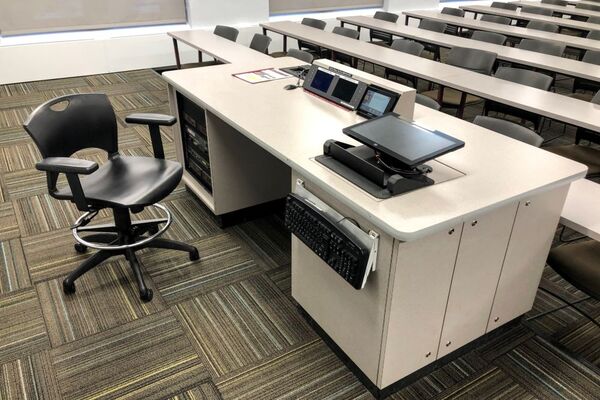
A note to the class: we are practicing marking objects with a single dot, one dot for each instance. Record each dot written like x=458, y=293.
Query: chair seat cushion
x=584, y=96
x=579, y=264
x=452, y=97
x=583, y=154
x=128, y=182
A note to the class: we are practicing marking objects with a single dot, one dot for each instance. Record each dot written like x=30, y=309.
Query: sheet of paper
x=263, y=75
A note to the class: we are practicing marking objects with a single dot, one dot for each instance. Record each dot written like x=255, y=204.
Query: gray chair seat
x=129, y=182
x=584, y=96
x=583, y=154
x=579, y=264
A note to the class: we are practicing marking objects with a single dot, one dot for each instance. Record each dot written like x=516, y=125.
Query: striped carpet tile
x=148, y=358
x=504, y=342
x=448, y=375
x=205, y=391
x=310, y=371
x=13, y=135
x=16, y=89
x=26, y=182
x=17, y=157
x=51, y=255
x=105, y=79
x=155, y=85
x=9, y=227
x=268, y=239
x=134, y=101
x=57, y=84
x=31, y=377
x=140, y=75
x=558, y=319
x=106, y=297
x=242, y=324
x=22, y=330
x=282, y=277
x=144, y=133
x=222, y=262
x=25, y=100
x=582, y=338
x=492, y=383
x=13, y=268
x=14, y=117
x=549, y=373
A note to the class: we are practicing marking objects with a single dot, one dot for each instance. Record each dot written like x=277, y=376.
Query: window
x=298, y=6
x=39, y=16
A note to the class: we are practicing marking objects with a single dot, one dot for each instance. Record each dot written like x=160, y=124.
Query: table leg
x=265, y=31
x=406, y=20
x=199, y=56
x=285, y=43
x=342, y=23
x=176, y=48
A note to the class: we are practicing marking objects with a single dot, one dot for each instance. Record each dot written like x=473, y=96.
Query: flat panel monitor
x=344, y=89
x=322, y=80
x=376, y=102
x=334, y=86
x=404, y=141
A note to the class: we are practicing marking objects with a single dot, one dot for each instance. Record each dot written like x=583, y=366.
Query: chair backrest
x=596, y=98
x=543, y=26
x=497, y=19
x=585, y=6
x=260, y=43
x=489, y=37
x=386, y=16
x=504, y=6
x=542, y=46
x=457, y=12
x=301, y=55
x=431, y=25
x=509, y=129
x=351, y=33
x=537, y=10
x=525, y=77
x=594, y=35
x=472, y=59
x=314, y=23
x=593, y=20
x=226, y=32
x=592, y=57
x=427, y=102
x=408, y=46
x=67, y=124
x=562, y=3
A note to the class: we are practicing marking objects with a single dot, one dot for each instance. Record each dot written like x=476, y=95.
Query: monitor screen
x=322, y=80
x=377, y=102
x=402, y=140
x=344, y=89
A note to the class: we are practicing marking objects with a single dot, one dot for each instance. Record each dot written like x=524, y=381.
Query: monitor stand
x=358, y=165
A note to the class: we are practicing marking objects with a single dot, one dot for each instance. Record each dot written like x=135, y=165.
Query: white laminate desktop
x=562, y=22
x=508, y=30
x=562, y=65
x=566, y=10
x=582, y=208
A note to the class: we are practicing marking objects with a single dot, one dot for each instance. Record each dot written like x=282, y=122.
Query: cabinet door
x=421, y=281
x=530, y=241
x=480, y=256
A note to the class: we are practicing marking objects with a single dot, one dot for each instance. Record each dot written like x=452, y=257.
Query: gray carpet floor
x=223, y=327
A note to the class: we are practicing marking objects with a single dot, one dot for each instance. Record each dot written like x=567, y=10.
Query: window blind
x=297, y=6
x=37, y=16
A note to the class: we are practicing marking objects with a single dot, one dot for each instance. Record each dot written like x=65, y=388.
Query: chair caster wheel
x=80, y=248
x=194, y=255
x=68, y=287
x=146, y=295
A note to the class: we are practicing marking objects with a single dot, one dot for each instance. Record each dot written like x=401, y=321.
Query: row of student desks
x=565, y=10
x=561, y=22
x=507, y=30
x=548, y=104
x=454, y=261
x=561, y=65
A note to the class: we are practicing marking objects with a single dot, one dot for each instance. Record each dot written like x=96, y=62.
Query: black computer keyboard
x=327, y=239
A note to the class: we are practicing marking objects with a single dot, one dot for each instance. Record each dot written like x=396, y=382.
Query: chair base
x=121, y=239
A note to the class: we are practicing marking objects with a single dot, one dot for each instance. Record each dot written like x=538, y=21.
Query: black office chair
x=434, y=26
x=260, y=43
x=313, y=23
x=489, y=37
x=504, y=6
x=301, y=55
x=523, y=77
x=67, y=124
x=579, y=264
x=510, y=129
x=383, y=37
x=475, y=60
x=409, y=47
x=543, y=26
x=226, y=32
x=496, y=19
x=457, y=12
x=339, y=57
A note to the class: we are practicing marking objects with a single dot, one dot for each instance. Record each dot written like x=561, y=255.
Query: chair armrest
x=154, y=122
x=72, y=167
x=67, y=165
x=151, y=119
